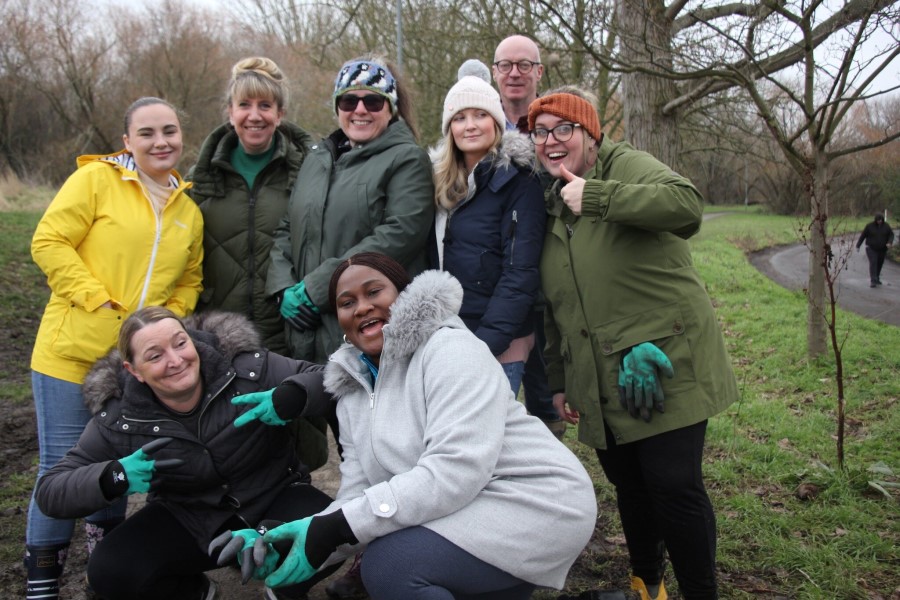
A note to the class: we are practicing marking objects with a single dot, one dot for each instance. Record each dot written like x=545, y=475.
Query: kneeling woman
x=453, y=490
x=164, y=423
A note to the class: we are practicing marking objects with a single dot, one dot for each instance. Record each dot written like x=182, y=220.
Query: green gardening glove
x=139, y=466
x=640, y=390
x=295, y=568
x=242, y=544
x=263, y=409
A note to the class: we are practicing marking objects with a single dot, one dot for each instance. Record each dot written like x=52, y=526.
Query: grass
x=842, y=542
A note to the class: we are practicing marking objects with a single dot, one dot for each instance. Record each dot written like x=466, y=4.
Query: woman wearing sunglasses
x=365, y=187
x=626, y=307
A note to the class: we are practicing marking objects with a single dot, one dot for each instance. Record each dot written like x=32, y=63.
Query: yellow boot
x=653, y=592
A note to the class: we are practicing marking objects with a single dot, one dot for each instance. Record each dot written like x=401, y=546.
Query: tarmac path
x=789, y=267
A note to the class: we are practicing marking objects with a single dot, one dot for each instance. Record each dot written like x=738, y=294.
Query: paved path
x=789, y=267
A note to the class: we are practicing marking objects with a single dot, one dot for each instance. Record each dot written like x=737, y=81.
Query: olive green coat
x=621, y=274
x=376, y=197
x=239, y=223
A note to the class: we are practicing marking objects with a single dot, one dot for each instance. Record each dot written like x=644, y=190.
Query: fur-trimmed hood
x=431, y=301
x=227, y=334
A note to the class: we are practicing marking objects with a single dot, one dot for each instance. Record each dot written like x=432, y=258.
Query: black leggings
x=151, y=555
x=664, y=506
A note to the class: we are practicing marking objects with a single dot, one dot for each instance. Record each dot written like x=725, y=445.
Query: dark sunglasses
x=372, y=102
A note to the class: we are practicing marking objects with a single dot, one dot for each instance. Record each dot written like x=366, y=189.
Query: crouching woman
x=164, y=423
x=449, y=485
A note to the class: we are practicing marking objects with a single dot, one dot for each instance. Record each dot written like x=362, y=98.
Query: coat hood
x=228, y=334
x=515, y=150
x=431, y=301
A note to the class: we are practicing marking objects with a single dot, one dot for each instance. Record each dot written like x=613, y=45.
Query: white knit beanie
x=473, y=90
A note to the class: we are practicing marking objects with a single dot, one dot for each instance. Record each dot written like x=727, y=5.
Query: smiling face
x=154, y=139
x=255, y=120
x=574, y=153
x=361, y=125
x=474, y=133
x=167, y=361
x=363, y=303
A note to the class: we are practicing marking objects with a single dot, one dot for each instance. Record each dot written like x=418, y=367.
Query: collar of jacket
x=123, y=161
x=225, y=334
x=397, y=132
x=290, y=141
x=429, y=302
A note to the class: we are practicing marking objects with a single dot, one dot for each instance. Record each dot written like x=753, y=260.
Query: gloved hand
x=256, y=558
x=314, y=539
x=263, y=410
x=138, y=467
x=299, y=310
x=640, y=390
x=273, y=407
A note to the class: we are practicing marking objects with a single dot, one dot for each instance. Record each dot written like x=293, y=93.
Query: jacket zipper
x=512, y=233
x=251, y=255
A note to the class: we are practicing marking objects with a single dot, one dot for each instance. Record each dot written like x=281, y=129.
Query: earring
x=346, y=341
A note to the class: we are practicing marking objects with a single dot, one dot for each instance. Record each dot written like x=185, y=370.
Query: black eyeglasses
x=561, y=133
x=372, y=102
x=524, y=66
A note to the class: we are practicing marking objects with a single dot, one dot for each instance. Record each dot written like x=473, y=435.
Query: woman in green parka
x=242, y=182
x=635, y=354
x=367, y=187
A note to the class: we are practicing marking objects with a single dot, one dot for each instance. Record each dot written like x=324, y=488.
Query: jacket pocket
x=86, y=336
x=665, y=326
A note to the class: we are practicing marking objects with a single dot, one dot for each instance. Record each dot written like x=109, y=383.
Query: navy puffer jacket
x=492, y=243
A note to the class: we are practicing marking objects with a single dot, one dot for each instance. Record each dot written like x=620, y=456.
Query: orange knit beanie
x=569, y=107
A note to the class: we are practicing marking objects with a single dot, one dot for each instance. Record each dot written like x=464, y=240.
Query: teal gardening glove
x=256, y=558
x=263, y=410
x=273, y=407
x=640, y=390
x=313, y=540
x=298, y=309
x=139, y=466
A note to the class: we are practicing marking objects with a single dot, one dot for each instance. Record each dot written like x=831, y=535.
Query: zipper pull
x=371, y=400
x=569, y=229
x=512, y=235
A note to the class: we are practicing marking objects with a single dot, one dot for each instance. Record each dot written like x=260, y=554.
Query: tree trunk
x=645, y=35
x=819, y=257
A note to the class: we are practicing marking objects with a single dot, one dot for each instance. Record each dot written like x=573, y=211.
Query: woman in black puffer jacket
x=176, y=382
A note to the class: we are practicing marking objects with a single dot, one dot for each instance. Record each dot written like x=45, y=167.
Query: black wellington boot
x=44, y=566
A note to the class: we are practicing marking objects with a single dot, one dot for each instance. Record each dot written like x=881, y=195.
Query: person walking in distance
x=878, y=238
x=517, y=70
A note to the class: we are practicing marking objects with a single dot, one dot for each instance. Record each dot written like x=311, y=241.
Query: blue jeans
x=61, y=417
x=417, y=564
x=538, y=399
x=514, y=371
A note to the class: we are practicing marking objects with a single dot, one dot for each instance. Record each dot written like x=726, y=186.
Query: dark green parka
x=376, y=197
x=620, y=274
x=239, y=224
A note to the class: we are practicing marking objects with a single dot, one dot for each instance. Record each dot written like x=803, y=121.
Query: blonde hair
x=451, y=179
x=257, y=77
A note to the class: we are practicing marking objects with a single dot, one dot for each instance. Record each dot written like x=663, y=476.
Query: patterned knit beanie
x=366, y=75
x=569, y=107
x=473, y=90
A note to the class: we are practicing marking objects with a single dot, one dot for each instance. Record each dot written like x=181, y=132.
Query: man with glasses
x=517, y=69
